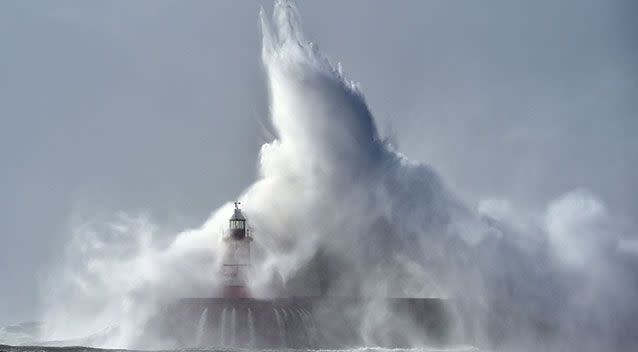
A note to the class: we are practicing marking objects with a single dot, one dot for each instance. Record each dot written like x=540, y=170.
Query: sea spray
x=336, y=203
x=233, y=328
x=201, y=326
x=222, y=327
x=251, y=328
x=281, y=329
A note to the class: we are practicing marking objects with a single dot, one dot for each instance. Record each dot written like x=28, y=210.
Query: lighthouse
x=236, y=262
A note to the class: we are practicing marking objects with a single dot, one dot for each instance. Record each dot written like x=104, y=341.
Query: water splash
x=222, y=327
x=201, y=325
x=284, y=315
x=305, y=327
x=308, y=328
x=280, y=327
x=233, y=328
x=251, y=328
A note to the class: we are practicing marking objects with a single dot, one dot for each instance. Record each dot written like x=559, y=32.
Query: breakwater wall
x=309, y=322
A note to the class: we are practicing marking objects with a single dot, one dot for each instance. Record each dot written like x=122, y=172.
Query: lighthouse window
x=236, y=224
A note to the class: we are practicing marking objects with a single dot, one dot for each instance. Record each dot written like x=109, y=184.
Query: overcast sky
x=160, y=106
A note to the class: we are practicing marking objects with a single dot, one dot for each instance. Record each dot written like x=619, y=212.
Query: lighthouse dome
x=237, y=224
x=237, y=215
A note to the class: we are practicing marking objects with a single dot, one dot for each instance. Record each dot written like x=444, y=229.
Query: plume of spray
x=329, y=182
x=337, y=211
x=118, y=271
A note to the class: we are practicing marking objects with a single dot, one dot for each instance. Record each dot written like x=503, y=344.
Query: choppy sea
x=23, y=338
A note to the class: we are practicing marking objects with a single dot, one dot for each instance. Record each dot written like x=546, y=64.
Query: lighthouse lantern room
x=236, y=264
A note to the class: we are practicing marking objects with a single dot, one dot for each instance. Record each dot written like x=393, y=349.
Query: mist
x=337, y=210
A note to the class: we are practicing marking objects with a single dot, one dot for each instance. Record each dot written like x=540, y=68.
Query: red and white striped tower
x=236, y=262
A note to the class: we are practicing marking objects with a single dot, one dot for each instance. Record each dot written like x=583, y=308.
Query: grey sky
x=158, y=106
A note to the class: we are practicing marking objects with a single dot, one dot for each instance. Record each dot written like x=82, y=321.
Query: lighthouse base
x=235, y=292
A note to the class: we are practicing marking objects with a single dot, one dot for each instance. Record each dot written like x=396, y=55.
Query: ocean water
x=24, y=337
x=8, y=348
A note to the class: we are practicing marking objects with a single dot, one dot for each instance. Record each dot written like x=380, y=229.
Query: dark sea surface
x=8, y=348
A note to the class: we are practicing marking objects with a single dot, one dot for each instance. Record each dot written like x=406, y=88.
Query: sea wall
x=321, y=322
